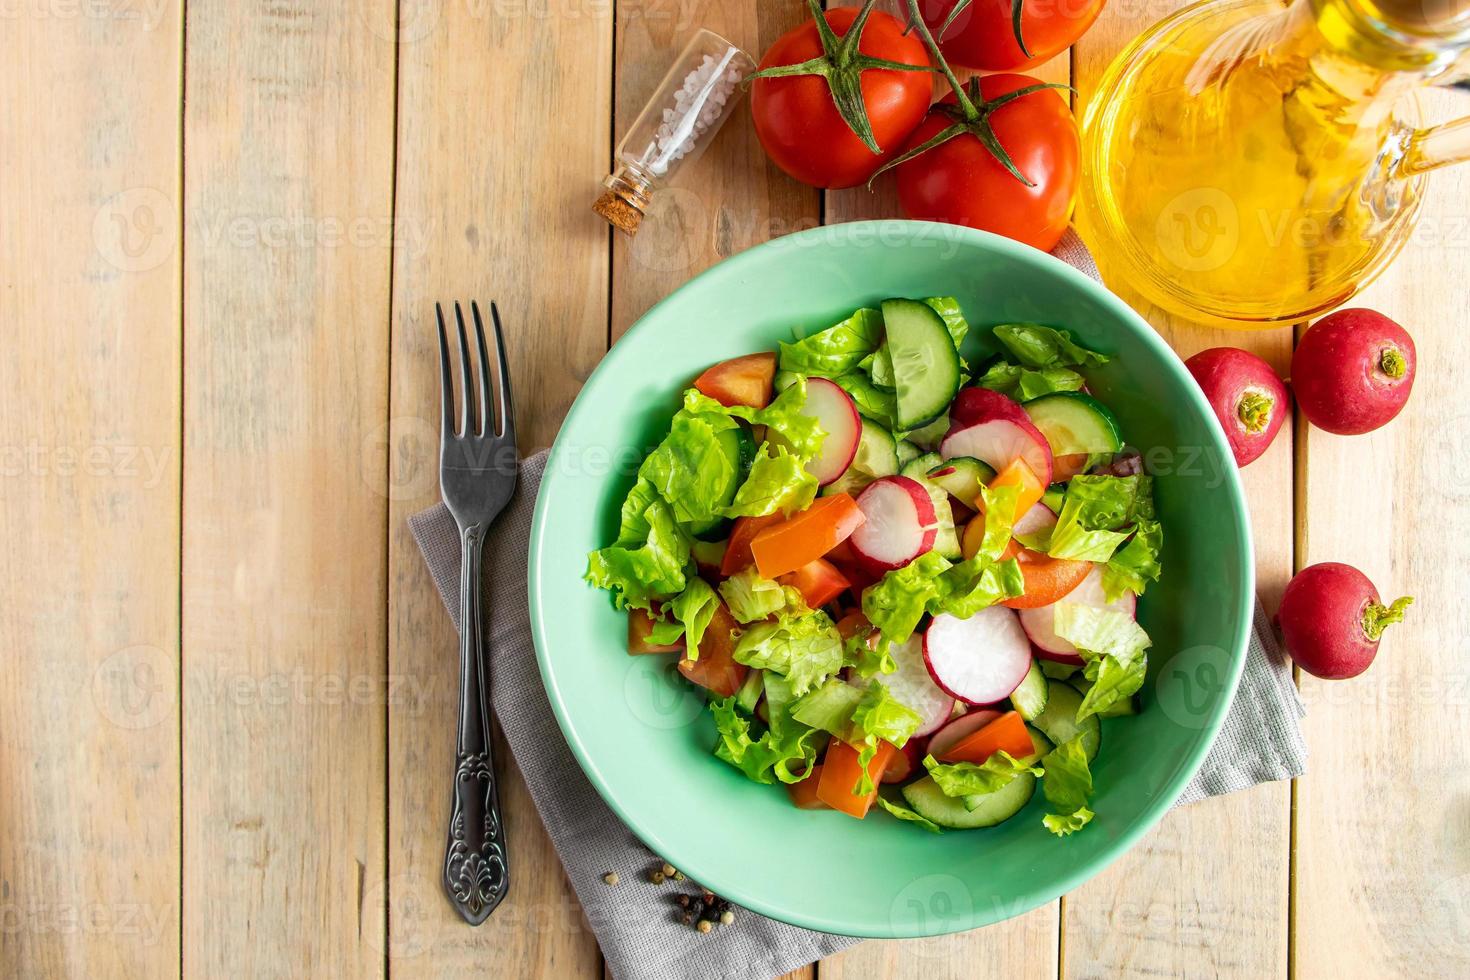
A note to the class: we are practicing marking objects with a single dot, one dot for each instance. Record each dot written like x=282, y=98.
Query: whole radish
x=1247, y=397
x=1352, y=371
x=1331, y=619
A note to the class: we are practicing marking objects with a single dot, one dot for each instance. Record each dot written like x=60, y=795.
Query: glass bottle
x=1250, y=163
x=679, y=121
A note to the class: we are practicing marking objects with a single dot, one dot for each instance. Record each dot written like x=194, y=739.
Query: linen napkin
x=1259, y=742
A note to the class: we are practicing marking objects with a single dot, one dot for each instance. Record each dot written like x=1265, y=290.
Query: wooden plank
x=1206, y=892
x=1383, y=877
x=288, y=198
x=730, y=198
x=89, y=454
x=502, y=138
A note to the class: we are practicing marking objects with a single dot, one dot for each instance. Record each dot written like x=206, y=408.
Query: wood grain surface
x=226, y=720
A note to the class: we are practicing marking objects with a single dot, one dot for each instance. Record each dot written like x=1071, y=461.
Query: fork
x=477, y=476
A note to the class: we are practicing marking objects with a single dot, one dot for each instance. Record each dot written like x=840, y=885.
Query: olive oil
x=1250, y=163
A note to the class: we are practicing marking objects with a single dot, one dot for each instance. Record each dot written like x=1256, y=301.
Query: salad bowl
x=640, y=733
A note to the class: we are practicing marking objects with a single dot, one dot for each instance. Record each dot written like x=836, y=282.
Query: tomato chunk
x=806, y=536
x=737, y=550
x=804, y=793
x=716, y=669
x=640, y=624
x=740, y=380
x=818, y=581
x=1047, y=579
x=1008, y=733
x=840, y=774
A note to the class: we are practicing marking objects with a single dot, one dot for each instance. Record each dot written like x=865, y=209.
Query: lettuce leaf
x=999, y=504
x=828, y=707
x=864, y=656
x=1036, y=346
x=804, y=649
x=932, y=584
x=1113, y=646
x=691, y=612
x=837, y=349
x=800, y=433
x=751, y=597
x=879, y=366
x=871, y=400
x=879, y=716
x=776, y=482
x=1136, y=564
x=1097, y=516
x=970, y=779
x=689, y=468
x=1024, y=384
x=1067, y=783
x=949, y=311
x=640, y=573
x=767, y=758
x=902, y=812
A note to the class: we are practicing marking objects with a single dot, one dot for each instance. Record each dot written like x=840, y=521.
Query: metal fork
x=477, y=476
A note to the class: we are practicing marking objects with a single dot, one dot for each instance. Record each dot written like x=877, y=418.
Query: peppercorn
x=704, y=925
x=687, y=918
x=678, y=876
x=683, y=901
x=668, y=870
x=610, y=878
x=656, y=876
x=727, y=917
x=708, y=896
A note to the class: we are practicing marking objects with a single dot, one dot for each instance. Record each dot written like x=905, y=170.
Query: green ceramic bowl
x=640, y=732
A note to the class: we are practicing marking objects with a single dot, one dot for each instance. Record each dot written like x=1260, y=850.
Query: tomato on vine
x=1008, y=35
x=834, y=98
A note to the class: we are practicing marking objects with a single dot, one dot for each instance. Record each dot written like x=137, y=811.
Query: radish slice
x=900, y=523
x=973, y=405
x=911, y=685
x=1039, y=518
x=978, y=660
x=835, y=412
x=961, y=728
x=998, y=443
x=1038, y=623
x=901, y=764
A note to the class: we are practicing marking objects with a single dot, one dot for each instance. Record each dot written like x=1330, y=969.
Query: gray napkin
x=1260, y=741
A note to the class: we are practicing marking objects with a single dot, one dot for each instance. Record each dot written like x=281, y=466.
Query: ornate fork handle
x=476, y=874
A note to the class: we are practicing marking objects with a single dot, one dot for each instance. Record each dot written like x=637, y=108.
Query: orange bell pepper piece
x=841, y=772
x=1008, y=733
x=1019, y=475
x=806, y=536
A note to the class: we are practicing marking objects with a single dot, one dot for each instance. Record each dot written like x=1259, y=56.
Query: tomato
x=716, y=670
x=1007, y=733
x=804, y=791
x=798, y=123
x=740, y=380
x=982, y=35
x=842, y=771
x=1046, y=579
x=640, y=625
x=818, y=581
x=961, y=182
x=737, y=551
x=806, y=536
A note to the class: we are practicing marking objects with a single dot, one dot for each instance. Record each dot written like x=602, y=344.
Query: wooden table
x=226, y=707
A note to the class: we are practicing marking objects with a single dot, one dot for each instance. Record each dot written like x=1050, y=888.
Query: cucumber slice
x=962, y=476
x=919, y=466
x=1075, y=423
x=928, y=800
x=1030, y=696
x=1058, y=671
x=738, y=445
x=930, y=435
x=1043, y=746
x=907, y=453
x=877, y=455
x=1058, y=720
x=926, y=366
x=946, y=541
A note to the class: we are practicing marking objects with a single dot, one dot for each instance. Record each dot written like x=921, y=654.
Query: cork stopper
x=1442, y=18
x=621, y=213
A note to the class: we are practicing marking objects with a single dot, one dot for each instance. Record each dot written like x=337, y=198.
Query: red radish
x=1038, y=623
x=740, y=380
x=1246, y=396
x=900, y=523
x=911, y=685
x=835, y=412
x=1331, y=619
x=973, y=405
x=978, y=660
x=998, y=441
x=901, y=764
x=1039, y=518
x=960, y=729
x=1352, y=371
